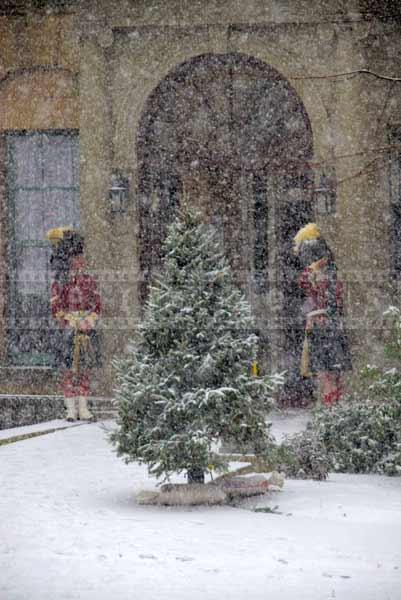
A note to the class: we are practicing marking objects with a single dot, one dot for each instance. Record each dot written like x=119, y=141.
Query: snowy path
x=70, y=529
x=27, y=430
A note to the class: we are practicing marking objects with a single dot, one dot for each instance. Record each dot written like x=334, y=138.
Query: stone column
x=96, y=156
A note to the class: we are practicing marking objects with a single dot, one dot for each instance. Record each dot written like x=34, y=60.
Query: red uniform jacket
x=79, y=293
x=315, y=281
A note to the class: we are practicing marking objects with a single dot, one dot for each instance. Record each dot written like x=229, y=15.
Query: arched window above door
x=227, y=110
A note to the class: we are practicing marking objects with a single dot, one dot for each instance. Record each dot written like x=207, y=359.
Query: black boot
x=196, y=475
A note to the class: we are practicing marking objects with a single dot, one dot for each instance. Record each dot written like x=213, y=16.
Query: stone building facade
x=263, y=114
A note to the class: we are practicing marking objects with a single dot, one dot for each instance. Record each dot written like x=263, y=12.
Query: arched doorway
x=232, y=134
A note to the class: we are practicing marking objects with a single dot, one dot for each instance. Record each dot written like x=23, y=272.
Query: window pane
x=75, y=160
x=32, y=271
x=57, y=160
x=26, y=160
x=36, y=212
x=76, y=211
x=60, y=209
x=29, y=224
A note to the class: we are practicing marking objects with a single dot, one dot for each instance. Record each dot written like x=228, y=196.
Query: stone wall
x=19, y=410
x=16, y=411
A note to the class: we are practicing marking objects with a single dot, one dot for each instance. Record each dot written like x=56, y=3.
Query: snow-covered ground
x=70, y=529
x=287, y=422
x=26, y=430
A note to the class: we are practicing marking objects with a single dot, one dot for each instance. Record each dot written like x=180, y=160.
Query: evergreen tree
x=186, y=380
x=385, y=383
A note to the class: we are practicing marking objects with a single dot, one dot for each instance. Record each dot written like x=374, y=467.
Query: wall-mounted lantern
x=118, y=194
x=325, y=193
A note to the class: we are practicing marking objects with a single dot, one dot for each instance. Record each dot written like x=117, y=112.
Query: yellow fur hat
x=310, y=232
x=56, y=234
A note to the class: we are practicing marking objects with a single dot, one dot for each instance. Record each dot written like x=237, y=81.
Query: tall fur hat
x=309, y=232
x=66, y=244
x=313, y=250
x=56, y=234
x=310, y=245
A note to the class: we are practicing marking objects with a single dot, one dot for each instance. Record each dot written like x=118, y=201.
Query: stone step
x=104, y=416
x=103, y=408
x=100, y=403
x=20, y=409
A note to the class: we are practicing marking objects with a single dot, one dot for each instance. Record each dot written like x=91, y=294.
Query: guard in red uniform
x=325, y=351
x=76, y=306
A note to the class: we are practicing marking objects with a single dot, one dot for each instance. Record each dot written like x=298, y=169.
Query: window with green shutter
x=42, y=183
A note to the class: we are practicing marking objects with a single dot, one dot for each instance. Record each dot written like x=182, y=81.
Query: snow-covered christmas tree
x=186, y=381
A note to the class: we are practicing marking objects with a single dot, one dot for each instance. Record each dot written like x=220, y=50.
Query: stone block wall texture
x=19, y=410
x=16, y=411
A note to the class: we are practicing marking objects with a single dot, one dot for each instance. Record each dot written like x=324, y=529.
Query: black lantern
x=118, y=194
x=325, y=194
